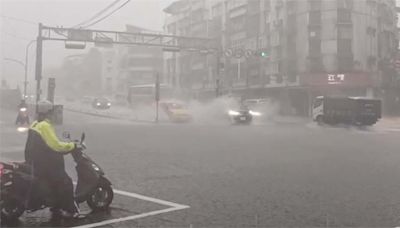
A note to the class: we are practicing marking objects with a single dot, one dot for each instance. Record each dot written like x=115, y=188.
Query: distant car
x=101, y=103
x=251, y=102
x=257, y=105
x=242, y=115
x=176, y=112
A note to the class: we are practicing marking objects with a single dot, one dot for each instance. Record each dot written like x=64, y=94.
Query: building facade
x=308, y=48
x=185, y=69
x=126, y=66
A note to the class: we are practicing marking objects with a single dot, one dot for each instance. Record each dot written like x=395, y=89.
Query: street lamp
x=25, y=65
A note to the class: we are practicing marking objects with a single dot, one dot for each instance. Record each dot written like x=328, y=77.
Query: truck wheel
x=320, y=120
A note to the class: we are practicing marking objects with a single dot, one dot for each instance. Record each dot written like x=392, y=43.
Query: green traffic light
x=263, y=54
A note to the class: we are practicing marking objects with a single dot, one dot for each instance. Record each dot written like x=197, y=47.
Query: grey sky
x=16, y=34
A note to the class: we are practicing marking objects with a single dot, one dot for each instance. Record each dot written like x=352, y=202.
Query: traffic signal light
x=262, y=53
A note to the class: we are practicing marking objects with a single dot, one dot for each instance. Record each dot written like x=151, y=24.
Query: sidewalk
x=392, y=122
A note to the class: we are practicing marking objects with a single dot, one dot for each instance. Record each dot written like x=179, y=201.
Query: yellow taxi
x=176, y=111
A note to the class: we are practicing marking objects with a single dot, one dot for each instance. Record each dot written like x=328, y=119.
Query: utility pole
x=24, y=66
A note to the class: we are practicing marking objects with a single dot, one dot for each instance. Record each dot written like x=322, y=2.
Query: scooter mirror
x=83, y=137
x=66, y=135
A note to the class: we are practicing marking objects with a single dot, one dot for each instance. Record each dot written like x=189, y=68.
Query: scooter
x=23, y=117
x=22, y=192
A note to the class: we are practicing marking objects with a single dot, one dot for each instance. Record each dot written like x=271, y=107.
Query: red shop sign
x=340, y=79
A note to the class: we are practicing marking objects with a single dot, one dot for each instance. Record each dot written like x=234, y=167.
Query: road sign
x=105, y=42
x=248, y=53
x=75, y=45
x=80, y=35
x=228, y=52
x=239, y=53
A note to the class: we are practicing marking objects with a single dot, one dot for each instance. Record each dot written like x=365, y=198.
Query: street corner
x=390, y=123
x=127, y=208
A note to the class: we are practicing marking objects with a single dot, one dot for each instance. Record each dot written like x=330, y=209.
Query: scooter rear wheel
x=101, y=197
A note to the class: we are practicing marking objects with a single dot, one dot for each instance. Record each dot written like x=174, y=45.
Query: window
x=314, y=18
x=345, y=32
x=344, y=47
x=371, y=31
x=314, y=4
x=278, y=78
x=345, y=4
x=315, y=64
x=292, y=70
x=267, y=5
x=291, y=6
x=217, y=10
x=292, y=24
x=314, y=47
x=345, y=63
x=344, y=16
x=315, y=33
x=267, y=79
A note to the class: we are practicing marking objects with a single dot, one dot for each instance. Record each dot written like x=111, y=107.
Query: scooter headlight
x=22, y=129
x=22, y=109
x=98, y=104
x=233, y=113
x=108, y=104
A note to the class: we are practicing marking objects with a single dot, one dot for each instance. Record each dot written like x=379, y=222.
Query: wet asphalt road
x=273, y=174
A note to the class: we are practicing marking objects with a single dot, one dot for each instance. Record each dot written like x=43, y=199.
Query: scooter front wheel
x=101, y=198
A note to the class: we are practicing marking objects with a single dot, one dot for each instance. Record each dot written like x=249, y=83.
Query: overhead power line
x=19, y=19
x=112, y=12
x=17, y=36
x=98, y=14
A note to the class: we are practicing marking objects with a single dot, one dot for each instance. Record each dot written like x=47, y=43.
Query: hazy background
x=20, y=18
x=19, y=22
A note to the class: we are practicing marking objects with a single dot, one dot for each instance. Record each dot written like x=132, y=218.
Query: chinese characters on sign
x=357, y=79
x=335, y=78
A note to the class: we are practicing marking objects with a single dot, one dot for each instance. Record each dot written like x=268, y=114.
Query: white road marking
x=172, y=207
x=150, y=199
x=133, y=217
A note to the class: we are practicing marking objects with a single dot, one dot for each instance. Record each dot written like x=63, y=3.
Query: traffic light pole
x=168, y=42
x=38, y=67
x=238, y=68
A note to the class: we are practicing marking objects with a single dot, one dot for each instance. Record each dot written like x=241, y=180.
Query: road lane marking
x=150, y=199
x=172, y=207
x=132, y=217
